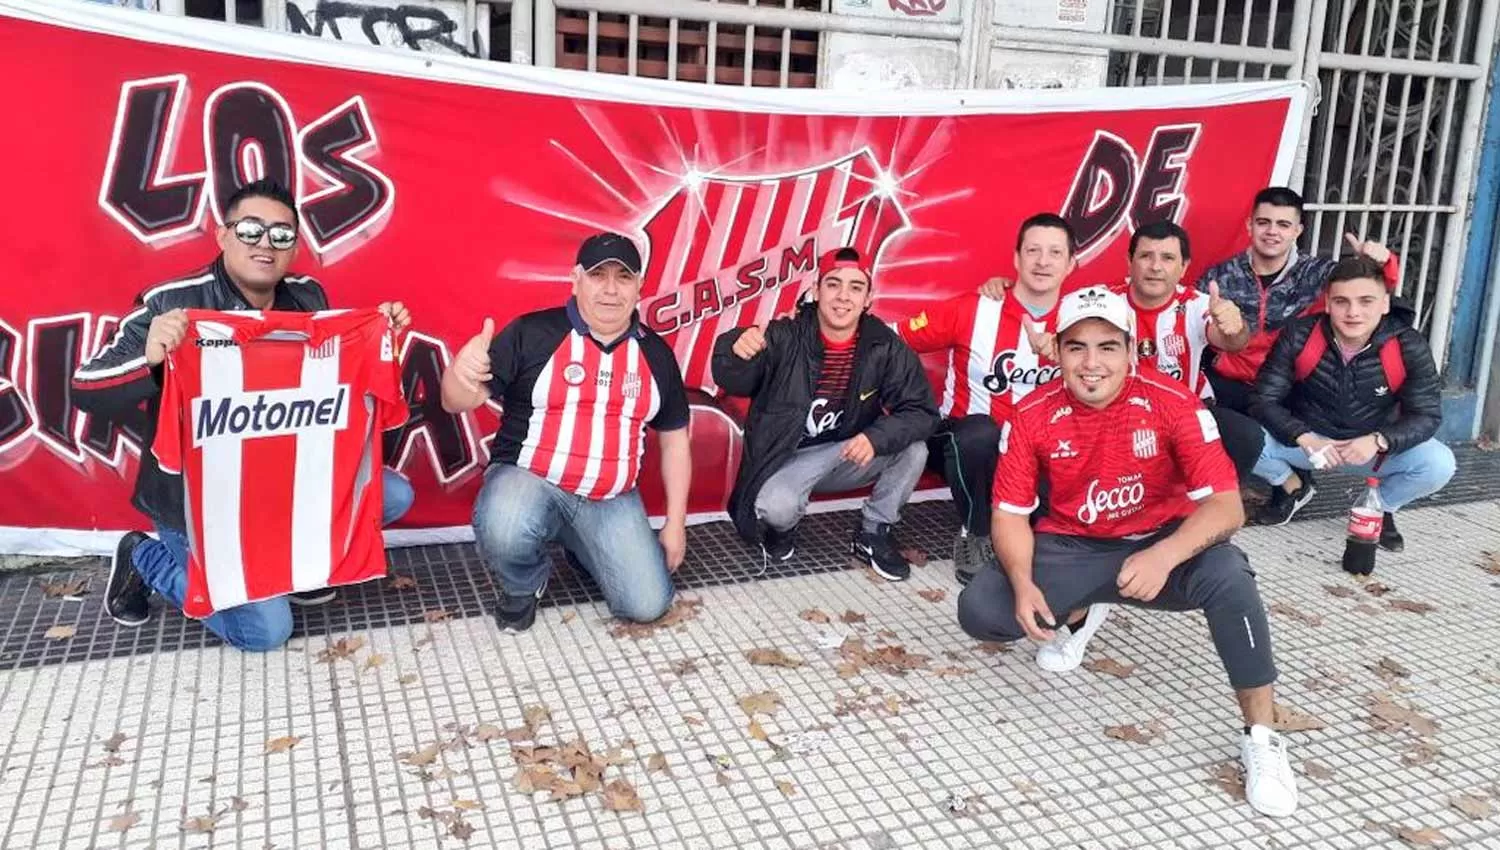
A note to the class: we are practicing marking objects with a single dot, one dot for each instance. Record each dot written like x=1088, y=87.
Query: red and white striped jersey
x=575, y=411
x=273, y=420
x=1174, y=337
x=991, y=365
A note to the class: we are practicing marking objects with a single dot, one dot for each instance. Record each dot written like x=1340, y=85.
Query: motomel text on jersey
x=270, y=413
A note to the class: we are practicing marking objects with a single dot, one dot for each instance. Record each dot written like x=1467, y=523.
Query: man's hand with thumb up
x=466, y=382
x=750, y=343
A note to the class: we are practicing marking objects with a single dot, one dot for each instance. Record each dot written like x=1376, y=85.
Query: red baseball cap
x=829, y=262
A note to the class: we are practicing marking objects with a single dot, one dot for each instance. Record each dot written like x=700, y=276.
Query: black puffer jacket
x=1345, y=400
x=781, y=380
x=116, y=380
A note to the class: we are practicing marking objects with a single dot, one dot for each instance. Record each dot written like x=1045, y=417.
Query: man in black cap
x=578, y=385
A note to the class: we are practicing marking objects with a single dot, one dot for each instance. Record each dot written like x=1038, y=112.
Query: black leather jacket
x=115, y=382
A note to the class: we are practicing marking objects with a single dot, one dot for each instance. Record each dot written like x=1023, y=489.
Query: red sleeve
x=936, y=328
x=167, y=446
x=1392, y=272
x=385, y=378
x=1205, y=466
x=1015, y=486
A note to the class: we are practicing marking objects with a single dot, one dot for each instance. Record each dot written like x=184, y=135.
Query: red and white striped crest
x=724, y=252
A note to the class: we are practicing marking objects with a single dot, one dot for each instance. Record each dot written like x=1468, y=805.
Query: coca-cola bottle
x=1366, y=516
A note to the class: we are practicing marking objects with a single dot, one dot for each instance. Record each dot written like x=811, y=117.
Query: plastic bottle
x=1366, y=517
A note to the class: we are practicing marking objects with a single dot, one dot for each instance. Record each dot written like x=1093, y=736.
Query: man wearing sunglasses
x=257, y=244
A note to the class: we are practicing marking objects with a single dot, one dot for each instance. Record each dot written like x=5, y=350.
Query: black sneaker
x=971, y=553
x=778, y=546
x=126, y=595
x=1283, y=505
x=309, y=598
x=879, y=551
x=1391, y=539
x=516, y=614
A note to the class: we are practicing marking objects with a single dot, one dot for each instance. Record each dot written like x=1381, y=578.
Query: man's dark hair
x=265, y=188
x=1278, y=196
x=846, y=255
x=1163, y=230
x=1048, y=220
x=1357, y=267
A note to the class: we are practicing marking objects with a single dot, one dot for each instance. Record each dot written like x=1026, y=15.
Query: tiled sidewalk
x=401, y=730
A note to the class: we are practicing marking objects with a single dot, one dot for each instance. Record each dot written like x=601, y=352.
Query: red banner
x=462, y=188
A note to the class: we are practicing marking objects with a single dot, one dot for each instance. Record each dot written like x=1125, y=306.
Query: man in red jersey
x=1143, y=503
x=992, y=365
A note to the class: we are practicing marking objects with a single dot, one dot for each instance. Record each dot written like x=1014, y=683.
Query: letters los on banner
x=419, y=181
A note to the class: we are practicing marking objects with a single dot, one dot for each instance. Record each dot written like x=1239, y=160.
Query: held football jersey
x=991, y=365
x=1174, y=336
x=1125, y=470
x=273, y=421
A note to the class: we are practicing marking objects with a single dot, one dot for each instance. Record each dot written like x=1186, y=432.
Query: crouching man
x=838, y=402
x=578, y=385
x=1143, y=502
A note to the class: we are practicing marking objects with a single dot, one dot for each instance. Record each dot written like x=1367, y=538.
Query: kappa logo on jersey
x=1006, y=373
x=1124, y=499
x=729, y=251
x=1143, y=444
x=272, y=413
x=215, y=343
x=822, y=423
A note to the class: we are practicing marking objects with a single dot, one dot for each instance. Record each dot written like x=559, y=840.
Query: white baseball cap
x=1095, y=302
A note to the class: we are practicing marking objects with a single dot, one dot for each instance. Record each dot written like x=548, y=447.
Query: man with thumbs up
x=1273, y=284
x=578, y=386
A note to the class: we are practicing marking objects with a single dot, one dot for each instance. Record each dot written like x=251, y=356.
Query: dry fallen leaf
x=851, y=617
x=204, y=824
x=1422, y=753
x=724, y=778
x=763, y=702
x=408, y=679
x=814, y=615
x=401, y=582
x=535, y=778
x=281, y=745
x=1419, y=837
x=786, y=788
x=1477, y=808
x=1110, y=666
x=1388, y=668
x=1288, y=719
x=914, y=556
x=120, y=823
x=425, y=756
x=692, y=720
x=1410, y=605
x=1226, y=775
x=64, y=587
x=1387, y=716
x=569, y=616
x=1135, y=734
x=60, y=632
x=1339, y=590
x=935, y=595
x=772, y=658
x=113, y=742
x=757, y=732
x=1369, y=610
x=375, y=660
x=436, y=616
x=1491, y=563
x=1375, y=588
x=990, y=647
x=341, y=648
x=487, y=732
x=535, y=715
x=1291, y=612
x=621, y=796
x=467, y=805
x=657, y=763
x=1316, y=771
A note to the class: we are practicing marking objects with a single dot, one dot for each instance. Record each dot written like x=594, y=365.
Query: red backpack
x=1317, y=345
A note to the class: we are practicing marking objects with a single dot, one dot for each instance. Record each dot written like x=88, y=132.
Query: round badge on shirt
x=574, y=374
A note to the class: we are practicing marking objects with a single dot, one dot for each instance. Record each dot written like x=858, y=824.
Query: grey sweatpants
x=818, y=469
x=1075, y=572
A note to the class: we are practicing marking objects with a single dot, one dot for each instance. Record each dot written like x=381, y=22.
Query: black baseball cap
x=604, y=248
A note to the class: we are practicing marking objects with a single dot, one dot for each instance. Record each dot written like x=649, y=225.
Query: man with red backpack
x=1355, y=388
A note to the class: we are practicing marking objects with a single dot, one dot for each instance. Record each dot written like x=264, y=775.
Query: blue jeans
x=517, y=514
x=1404, y=477
x=256, y=626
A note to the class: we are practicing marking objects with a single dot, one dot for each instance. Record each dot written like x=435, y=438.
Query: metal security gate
x=1389, y=152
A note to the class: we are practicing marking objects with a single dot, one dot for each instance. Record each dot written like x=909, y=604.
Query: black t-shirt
x=575, y=410
x=831, y=394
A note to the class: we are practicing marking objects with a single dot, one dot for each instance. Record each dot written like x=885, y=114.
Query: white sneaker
x=1065, y=651
x=1270, y=786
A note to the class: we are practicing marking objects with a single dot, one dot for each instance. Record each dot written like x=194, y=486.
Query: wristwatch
x=1381, y=443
